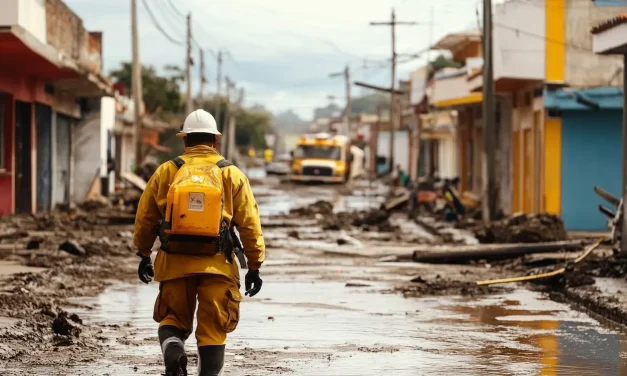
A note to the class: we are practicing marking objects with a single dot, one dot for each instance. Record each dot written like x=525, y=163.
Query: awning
x=24, y=54
x=501, y=84
x=468, y=99
x=584, y=99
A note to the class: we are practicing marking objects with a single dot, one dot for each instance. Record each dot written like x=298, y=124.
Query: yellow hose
x=588, y=251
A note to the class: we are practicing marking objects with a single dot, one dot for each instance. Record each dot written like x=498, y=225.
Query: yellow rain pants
x=218, y=306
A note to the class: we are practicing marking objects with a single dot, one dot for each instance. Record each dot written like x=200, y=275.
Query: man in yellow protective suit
x=267, y=155
x=213, y=281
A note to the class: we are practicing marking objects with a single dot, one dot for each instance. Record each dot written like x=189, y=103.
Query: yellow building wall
x=555, y=40
x=552, y=165
x=516, y=198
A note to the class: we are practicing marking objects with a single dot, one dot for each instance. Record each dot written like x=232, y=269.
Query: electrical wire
x=158, y=26
x=167, y=15
x=564, y=43
x=175, y=9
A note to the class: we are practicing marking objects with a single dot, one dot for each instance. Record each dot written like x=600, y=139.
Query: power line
x=181, y=14
x=167, y=16
x=568, y=44
x=158, y=26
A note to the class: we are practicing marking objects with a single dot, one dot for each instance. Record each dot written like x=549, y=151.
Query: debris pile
x=319, y=207
x=520, y=228
x=368, y=220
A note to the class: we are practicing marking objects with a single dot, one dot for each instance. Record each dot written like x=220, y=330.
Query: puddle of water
x=350, y=331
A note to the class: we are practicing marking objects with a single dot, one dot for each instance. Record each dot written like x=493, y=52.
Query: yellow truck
x=326, y=159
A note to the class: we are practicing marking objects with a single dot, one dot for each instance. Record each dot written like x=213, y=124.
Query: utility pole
x=347, y=111
x=219, y=88
x=188, y=67
x=392, y=24
x=136, y=86
x=203, y=79
x=489, y=119
x=225, y=131
x=232, y=126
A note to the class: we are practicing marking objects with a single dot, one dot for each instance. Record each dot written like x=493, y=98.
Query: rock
x=73, y=248
x=34, y=243
x=293, y=234
x=62, y=326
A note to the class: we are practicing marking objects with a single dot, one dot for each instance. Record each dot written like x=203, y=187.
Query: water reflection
x=565, y=342
x=371, y=334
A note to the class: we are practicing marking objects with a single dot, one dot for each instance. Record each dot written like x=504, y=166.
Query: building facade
x=50, y=67
x=537, y=55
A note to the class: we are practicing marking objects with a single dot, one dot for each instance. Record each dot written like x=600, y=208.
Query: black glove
x=145, y=270
x=252, y=282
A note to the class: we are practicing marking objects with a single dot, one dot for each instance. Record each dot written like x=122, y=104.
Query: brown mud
x=316, y=254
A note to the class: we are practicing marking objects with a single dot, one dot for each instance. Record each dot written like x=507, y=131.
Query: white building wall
x=87, y=154
x=107, y=121
x=450, y=87
x=447, y=155
x=29, y=14
x=582, y=66
x=401, y=148
x=519, y=39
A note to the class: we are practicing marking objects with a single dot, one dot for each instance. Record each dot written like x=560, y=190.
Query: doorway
x=23, y=168
x=43, y=126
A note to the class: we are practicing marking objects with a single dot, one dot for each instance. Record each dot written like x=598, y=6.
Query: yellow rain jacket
x=240, y=209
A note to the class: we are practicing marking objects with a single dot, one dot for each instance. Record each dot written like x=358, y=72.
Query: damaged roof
x=606, y=25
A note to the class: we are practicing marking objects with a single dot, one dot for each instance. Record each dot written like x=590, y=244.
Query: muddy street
x=335, y=301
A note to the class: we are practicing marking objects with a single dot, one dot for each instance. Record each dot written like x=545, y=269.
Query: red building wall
x=26, y=89
x=7, y=184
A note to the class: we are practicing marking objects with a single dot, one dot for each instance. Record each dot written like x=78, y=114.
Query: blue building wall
x=591, y=155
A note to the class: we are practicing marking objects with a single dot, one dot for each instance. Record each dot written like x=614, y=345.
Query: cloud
x=283, y=50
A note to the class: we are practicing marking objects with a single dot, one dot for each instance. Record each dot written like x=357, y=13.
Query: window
x=318, y=151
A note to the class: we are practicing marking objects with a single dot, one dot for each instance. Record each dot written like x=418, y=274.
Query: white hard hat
x=199, y=121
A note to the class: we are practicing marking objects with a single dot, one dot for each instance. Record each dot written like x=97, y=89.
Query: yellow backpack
x=193, y=223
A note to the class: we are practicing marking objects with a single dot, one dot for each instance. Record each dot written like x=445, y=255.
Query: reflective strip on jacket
x=240, y=209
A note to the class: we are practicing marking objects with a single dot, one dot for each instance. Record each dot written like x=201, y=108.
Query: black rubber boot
x=210, y=360
x=173, y=348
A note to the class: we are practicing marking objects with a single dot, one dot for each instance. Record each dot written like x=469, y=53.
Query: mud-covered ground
x=340, y=293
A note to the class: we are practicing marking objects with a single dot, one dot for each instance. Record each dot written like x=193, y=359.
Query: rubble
x=520, y=228
x=73, y=248
x=319, y=207
x=66, y=325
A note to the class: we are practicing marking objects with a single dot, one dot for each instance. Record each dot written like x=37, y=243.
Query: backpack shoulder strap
x=223, y=163
x=178, y=162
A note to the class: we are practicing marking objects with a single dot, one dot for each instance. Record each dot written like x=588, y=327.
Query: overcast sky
x=282, y=50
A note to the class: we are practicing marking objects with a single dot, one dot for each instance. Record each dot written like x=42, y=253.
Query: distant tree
x=442, y=62
x=252, y=124
x=161, y=93
x=328, y=111
x=370, y=103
